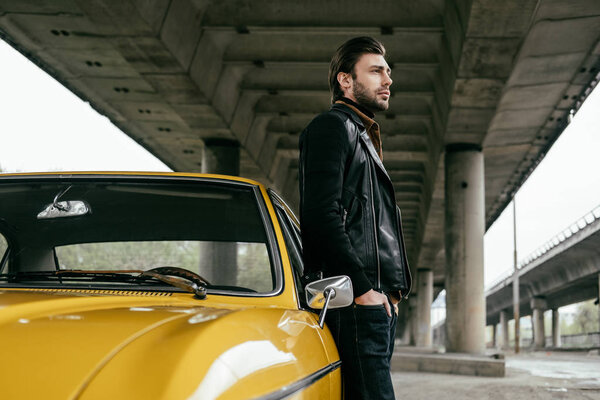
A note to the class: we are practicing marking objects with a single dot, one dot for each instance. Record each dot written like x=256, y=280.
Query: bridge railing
x=587, y=219
x=579, y=340
x=574, y=341
x=500, y=278
x=566, y=233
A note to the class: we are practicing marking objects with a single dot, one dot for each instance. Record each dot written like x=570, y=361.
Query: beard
x=368, y=100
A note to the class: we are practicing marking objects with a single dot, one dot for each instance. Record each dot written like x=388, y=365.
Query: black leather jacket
x=350, y=222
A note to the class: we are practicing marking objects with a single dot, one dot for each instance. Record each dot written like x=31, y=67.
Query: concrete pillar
x=412, y=325
x=464, y=229
x=495, y=336
x=405, y=338
x=556, y=342
x=538, y=305
x=218, y=260
x=403, y=326
x=503, y=340
x=221, y=156
x=424, y=300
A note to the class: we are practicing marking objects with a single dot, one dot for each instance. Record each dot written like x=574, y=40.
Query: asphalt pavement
x=529, y=376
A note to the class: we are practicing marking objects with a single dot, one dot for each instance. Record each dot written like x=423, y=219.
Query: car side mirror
x=334, y=292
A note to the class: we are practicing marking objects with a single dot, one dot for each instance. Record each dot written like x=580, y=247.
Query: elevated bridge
x=563, y=271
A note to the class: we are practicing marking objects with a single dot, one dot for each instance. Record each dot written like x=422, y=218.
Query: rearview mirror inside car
x=73, y=208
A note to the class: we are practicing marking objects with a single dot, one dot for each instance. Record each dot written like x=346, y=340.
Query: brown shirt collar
x=360, y=107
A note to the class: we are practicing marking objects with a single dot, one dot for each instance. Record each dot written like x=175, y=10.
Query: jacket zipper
x=375, y=232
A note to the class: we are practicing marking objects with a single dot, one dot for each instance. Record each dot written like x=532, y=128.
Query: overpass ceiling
x=171, y=74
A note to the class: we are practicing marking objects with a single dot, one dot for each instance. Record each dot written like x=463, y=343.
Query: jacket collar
x=364, y=137
x=347, y=110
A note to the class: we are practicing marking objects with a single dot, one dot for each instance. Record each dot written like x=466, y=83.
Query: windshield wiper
x=181, y=278
x=177, y=277
x=25, y=276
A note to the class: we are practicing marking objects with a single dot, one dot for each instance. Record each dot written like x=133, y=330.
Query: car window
x=292, y=246
x=291, y=233
x=294, y=253
x=291, y=229
x=250, y=260
x=290, y=218
x=3, y=249
x=218, y=231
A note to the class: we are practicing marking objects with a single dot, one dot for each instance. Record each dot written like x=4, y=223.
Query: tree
x=586, y=317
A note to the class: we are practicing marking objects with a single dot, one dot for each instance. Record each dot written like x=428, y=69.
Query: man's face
x=371, y=82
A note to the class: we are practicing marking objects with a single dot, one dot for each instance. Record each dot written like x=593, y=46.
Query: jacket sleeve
x=324, y=149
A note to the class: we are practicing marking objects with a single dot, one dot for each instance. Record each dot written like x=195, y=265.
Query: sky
x=564, y=187
x=45, y=127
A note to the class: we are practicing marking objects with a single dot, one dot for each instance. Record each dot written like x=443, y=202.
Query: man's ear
x=345, y=81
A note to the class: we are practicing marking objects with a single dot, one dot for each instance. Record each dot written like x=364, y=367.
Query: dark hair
x=346, y=57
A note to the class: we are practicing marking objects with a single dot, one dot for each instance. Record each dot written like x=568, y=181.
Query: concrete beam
x=181, y=29
x=285, y=45
x=252, y=15
x=538, y=303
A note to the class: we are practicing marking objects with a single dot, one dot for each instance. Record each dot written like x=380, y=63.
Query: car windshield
x=212, y=229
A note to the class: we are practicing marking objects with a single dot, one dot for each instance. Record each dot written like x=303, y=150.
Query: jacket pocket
x=356, y=228
x=347, y=210
x=369, y=306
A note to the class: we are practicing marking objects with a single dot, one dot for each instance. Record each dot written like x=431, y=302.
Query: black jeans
x=364, y=336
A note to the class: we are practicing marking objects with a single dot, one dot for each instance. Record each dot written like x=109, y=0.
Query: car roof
x=128, y=174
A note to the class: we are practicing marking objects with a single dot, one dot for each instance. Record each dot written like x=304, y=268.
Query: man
x=350, y=221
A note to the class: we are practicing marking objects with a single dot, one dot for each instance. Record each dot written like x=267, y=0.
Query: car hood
x=64, y=345
x=61, y=340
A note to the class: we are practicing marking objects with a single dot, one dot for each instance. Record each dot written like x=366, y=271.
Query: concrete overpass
x=226, y=86
x=563, y=271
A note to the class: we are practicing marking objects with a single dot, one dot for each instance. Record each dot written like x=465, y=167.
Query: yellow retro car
x=158, y=286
